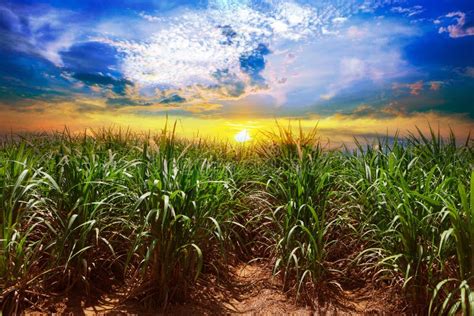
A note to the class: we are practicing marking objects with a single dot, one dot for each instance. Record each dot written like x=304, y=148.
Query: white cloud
x=468, y=71
x=411, y=11
x=187, y=47
x=339, y=19
x=458, y=29
x=325, y=68
x=352, y=68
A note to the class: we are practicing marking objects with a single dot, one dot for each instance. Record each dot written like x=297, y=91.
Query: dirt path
x=264, y=295
x=253, y=291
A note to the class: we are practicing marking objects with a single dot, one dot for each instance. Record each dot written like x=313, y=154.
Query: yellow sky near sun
x=336, y=128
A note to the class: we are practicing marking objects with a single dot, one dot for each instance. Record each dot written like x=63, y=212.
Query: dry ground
x=251, y=290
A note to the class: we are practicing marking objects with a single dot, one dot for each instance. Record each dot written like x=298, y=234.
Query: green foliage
x=301, y=185
x=158, y=212
x=181, y=211
x=400, y=190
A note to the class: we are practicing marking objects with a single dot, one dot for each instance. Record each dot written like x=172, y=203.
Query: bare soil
x=251, y=290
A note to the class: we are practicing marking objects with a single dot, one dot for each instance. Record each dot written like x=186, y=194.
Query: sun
x=242, y=136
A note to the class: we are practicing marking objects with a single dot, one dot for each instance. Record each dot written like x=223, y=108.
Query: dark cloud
x=125, y=101
x=234, y=89
x=118, y=86
x=172, y=99
x=229, y=83
x=451, y=95
x=84, y=107
x=10, y=22
x=48, y=33
x=389, y=111
x=459, y=97
x=39, y=31
x=24, y=76
x=452, y=98
x=90, y=57
x=15, y=33
x=229, y=34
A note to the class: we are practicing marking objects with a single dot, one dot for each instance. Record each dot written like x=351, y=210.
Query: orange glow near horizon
x=334, y=129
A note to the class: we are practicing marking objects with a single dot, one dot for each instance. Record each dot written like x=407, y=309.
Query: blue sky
x=223, y=59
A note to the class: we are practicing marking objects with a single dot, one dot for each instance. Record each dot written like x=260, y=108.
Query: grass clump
x=399, y=191
x=181, y=211
x=301, y=184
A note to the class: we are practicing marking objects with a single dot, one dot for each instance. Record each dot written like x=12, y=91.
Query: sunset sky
x=359, y=68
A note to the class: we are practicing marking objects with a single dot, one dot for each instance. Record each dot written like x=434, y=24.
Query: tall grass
x=456, y=293
x=399, y=189
x=155, y=214
x=301, y=184
x=182, y=210
x=18, y=241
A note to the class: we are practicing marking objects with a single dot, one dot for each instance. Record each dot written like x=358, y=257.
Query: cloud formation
x=190, y=48
x=231, y=58
x=417, y=87
x=409, y=11
x=43, y=33
x=193, y=48
x=459, y=29
x=118, y=86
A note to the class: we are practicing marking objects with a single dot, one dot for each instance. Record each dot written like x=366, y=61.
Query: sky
x=220, y=67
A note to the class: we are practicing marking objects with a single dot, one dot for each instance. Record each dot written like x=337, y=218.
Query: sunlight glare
x=243, y=136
